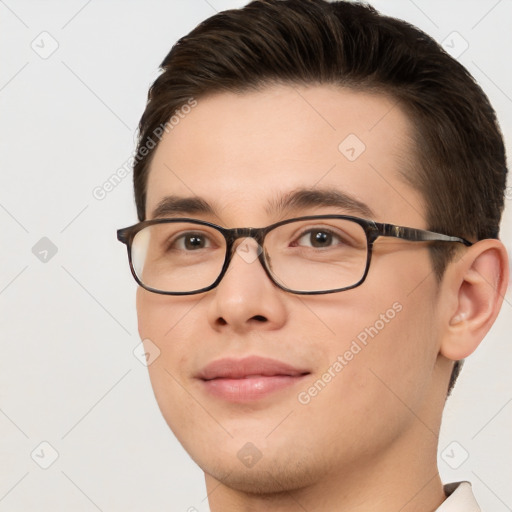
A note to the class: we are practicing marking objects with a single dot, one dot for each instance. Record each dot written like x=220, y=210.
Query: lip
x=248, y=379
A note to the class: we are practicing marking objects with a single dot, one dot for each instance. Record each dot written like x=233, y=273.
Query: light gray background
x=68, y=375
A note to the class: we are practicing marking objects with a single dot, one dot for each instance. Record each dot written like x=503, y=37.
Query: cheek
x=404, y=351
x=377, y=368
x=404, y=358
x=163, y=321
x=386, y=358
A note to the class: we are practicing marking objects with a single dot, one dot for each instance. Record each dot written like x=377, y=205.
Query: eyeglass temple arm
x=417, y=235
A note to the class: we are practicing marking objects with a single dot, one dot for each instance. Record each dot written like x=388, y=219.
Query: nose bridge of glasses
x=246, y=242
x=238, y=233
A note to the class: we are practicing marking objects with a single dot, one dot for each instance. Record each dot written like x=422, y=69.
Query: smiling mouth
x=248, y=379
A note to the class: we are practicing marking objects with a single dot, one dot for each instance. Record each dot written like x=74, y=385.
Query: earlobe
x=476, y=284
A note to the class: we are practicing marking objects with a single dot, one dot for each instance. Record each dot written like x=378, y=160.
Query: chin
x=271, y=475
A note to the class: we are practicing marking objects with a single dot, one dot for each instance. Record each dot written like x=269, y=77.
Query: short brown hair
x=461, y=165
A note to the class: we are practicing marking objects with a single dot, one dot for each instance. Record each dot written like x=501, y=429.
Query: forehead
x=240, y=152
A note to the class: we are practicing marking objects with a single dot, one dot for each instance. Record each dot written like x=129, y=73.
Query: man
x=305, y=362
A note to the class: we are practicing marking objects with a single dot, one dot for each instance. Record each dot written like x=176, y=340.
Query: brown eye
x=191, y=242
x=194, y=242
x=318, y=238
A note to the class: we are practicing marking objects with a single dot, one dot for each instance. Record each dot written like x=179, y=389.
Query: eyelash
x=309, y=230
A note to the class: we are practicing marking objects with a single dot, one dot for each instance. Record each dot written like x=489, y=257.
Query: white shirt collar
x=460, y=498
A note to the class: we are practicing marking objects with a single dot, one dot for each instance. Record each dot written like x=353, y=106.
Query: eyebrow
x=175, y=205
x=296, y=200
x=310, y=198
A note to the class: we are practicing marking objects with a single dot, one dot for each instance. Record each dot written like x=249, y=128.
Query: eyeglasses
x=307, y=255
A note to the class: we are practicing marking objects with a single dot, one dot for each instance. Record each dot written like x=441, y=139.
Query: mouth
x=248, y=379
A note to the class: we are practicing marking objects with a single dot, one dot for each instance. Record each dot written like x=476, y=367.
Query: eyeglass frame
x=373, y=230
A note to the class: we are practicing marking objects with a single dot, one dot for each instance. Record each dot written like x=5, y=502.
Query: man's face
x=363, y=380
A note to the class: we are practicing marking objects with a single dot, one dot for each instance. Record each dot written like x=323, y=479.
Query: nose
x=246, y=298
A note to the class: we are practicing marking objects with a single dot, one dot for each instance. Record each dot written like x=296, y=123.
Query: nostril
x=221, y=321
x=259, y=318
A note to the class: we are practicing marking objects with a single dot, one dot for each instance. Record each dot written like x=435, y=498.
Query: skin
x=368, y=440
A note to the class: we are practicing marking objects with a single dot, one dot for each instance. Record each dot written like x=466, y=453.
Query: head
x=264, y=99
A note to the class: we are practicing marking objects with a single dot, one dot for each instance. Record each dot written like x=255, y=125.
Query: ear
x=473, y=286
